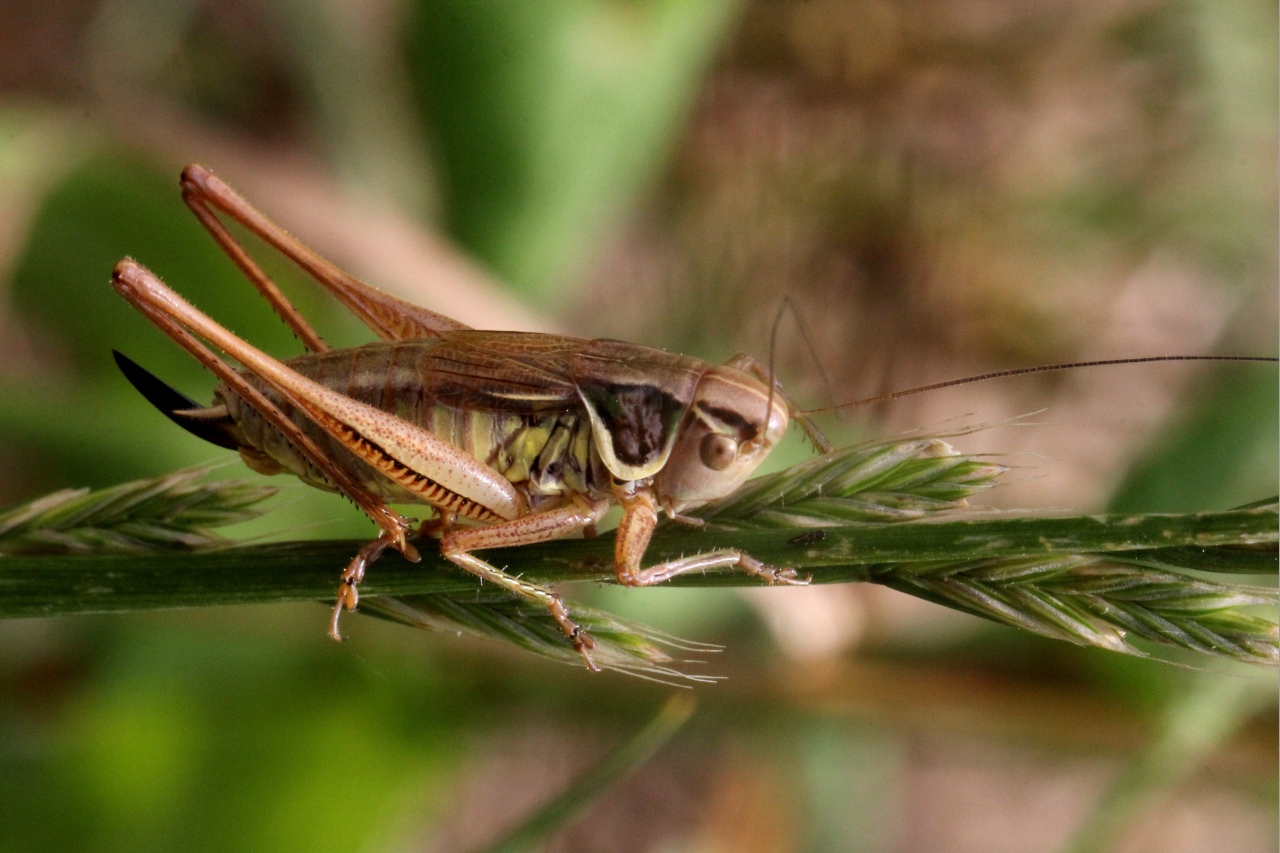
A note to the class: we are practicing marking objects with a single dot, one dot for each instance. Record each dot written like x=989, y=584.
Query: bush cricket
x=510, y=438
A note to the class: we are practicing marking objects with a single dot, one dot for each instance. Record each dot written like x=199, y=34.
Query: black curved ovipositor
x=195, y=418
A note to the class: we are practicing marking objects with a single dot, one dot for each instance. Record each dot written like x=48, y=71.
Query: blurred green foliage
x=1220, y=453
x=222, y=738
x=549, y=117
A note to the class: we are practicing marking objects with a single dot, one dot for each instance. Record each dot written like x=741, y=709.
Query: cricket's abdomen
x=545, y=454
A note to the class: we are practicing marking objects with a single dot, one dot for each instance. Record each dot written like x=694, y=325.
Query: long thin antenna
x=773, y=348
x=1023, y=371
x=815, y=435
x=806, y=335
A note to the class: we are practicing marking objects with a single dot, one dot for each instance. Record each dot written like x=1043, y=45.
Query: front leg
x=636, y=529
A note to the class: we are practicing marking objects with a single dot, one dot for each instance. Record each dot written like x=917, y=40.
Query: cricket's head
x=730, y=427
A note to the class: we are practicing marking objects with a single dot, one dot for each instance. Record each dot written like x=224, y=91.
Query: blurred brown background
x=945, y=187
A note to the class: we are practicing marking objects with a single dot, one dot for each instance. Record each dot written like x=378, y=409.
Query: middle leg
x=581, y=514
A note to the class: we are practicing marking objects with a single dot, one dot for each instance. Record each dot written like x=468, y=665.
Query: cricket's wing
x=521, y=372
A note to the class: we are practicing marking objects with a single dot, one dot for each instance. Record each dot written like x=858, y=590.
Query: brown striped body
x=547, y=452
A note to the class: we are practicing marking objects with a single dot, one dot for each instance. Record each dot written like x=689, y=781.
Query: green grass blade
x=886, y=513
x=68, y=583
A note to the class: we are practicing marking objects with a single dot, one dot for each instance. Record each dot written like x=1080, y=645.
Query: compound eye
x=718, y=451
